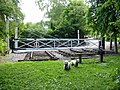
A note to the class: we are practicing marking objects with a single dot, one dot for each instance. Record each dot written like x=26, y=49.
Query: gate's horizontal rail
x=44, y=39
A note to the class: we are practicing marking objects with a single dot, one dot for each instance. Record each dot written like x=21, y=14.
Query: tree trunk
x=103, y=42
x=110, y=44
x=115, y=43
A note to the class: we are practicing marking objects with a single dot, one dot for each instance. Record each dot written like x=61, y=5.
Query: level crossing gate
x=47, y=43
x=52, y=43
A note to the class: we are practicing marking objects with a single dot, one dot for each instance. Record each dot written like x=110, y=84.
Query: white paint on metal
x=28, y=44
x=78, y=36
x=53, y=44
x=7, y=31
x=16, y=37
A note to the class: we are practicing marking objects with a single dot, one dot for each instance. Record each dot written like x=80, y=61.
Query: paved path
x=13, y=57
x=17, y=57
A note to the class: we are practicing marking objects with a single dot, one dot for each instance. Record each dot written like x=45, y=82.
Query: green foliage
x=71, y=20
x=32, y=30
x=3, y=46
x=45, y=75
x=103, y=16
x=9, y=10
x=66, y=17
x=2, y=29
x=51, y=4
x=53, y=10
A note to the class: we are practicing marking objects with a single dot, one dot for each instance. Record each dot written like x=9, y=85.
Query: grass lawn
x=49, y=75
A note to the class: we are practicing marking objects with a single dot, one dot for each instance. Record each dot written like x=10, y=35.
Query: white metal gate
x=36, y=43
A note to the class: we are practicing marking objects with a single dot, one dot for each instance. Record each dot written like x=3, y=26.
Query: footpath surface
x=13, y=57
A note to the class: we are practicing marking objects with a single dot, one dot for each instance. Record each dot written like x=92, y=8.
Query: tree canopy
x=9, y=11
x=104, y=17
x=66, y=17
x=32, y=30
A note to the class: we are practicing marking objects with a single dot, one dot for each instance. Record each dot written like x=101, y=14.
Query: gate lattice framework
x=37, y=43
x=54, y=43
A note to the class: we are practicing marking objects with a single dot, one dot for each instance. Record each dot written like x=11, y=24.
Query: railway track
x=68, y=53
x=51, y=55
x=46, y=55
x=37, y=55
x=57, y=55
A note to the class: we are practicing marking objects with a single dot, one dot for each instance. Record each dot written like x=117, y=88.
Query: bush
x=3, y=47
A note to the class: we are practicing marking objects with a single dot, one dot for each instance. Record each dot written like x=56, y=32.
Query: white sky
x=31, y=11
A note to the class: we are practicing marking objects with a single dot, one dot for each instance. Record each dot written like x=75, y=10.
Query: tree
x=103, y=16
x=9, y=11
x=53, y=10
x=32, y=30
x=65, y=18
x=73, y=18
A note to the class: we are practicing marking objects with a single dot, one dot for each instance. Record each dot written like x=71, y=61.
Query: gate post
x=101, y=53
x=7, y=31
x=78, y=37
x=12, y=45
x=100, y=44
x=80, y=58
x=16, y=37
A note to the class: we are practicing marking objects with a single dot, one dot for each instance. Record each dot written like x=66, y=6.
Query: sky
x=31, y=11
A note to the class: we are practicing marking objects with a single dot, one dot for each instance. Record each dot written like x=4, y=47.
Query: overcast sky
x=31, y=11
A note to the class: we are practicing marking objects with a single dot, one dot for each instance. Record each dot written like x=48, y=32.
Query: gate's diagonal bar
x=45, y=44
x=81, y=43
x=26, y=44
x=92, y=43
x=63, y=44
x=75, y=43
x=59, y=43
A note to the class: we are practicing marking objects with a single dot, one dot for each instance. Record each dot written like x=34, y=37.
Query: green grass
x=49, y=75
